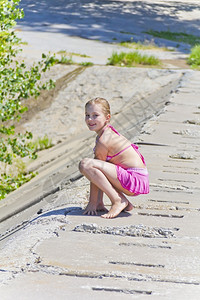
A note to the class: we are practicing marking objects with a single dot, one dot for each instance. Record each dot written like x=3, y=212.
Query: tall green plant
x=17, y=82
x=194, y=58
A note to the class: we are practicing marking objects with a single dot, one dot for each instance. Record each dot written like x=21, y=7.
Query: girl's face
x=95, y=118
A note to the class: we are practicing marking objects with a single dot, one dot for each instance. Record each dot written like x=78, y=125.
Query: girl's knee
x=85, y=164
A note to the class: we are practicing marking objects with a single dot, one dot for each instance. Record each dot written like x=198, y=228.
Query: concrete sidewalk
x=150, y=253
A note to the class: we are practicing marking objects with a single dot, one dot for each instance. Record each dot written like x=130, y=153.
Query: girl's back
x=119, y=150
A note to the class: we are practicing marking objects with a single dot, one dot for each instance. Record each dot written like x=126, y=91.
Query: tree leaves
x=17, y=83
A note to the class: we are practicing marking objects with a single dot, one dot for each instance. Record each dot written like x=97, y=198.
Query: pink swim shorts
x=135, y=180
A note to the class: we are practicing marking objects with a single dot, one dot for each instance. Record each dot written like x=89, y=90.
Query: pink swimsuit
x=135, y=180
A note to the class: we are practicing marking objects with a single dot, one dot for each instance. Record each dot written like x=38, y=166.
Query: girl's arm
x=95, y=201
x=101, y=151
x=96, y=195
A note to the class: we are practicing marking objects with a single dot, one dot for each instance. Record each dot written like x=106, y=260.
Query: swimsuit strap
x=110, y=157
x=113, y=129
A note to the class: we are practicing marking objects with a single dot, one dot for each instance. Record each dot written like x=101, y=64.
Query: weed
x=132, y=59
x=142, y=46
x=65, y=60
x=19, y=166
x=126, y=32
x=65, y=53
x=41, y=143
x=194, y=58
x=86, y=64
x=181, y=37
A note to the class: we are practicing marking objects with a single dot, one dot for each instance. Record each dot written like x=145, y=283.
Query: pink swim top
x=109, y=157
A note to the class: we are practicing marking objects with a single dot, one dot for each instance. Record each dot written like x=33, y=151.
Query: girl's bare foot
x=128, y=207
x=116, y=208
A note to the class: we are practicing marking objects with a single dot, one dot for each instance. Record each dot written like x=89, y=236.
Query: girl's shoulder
x=108, y=138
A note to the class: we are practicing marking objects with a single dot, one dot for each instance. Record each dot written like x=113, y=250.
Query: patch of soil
x=177, y=63
x=46, y=97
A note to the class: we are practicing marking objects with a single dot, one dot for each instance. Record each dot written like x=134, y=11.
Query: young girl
x=117, y=169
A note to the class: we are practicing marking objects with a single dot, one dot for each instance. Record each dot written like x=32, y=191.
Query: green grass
x=132, y=59
x=86, y=64
x=145, y=45
x=194, y=58
x=133, y=45
x=142, y=46
x=127, y=32
x=180, y=37
x=69, y=61
x=65, y=60
x=41, y=143
x=65, y=53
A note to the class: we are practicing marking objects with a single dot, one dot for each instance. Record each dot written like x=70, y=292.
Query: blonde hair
x=103, y=102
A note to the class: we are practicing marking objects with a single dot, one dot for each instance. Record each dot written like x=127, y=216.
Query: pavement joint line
x=160, y=215
x=136, y=264
x=54, y=270
x=125, y=291
x=144, y=245
x=169, y=201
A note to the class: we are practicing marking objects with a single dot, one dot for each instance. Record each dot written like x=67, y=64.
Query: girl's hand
x=90, y=210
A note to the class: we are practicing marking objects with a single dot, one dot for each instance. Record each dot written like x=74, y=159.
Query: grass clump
x=180, y=37
x=194, y=58
x=132, y=59
x=41, y=143
x=133, y=45
x=65, y=53
x=65, y=60
x=86, y=64
x=146, y=45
